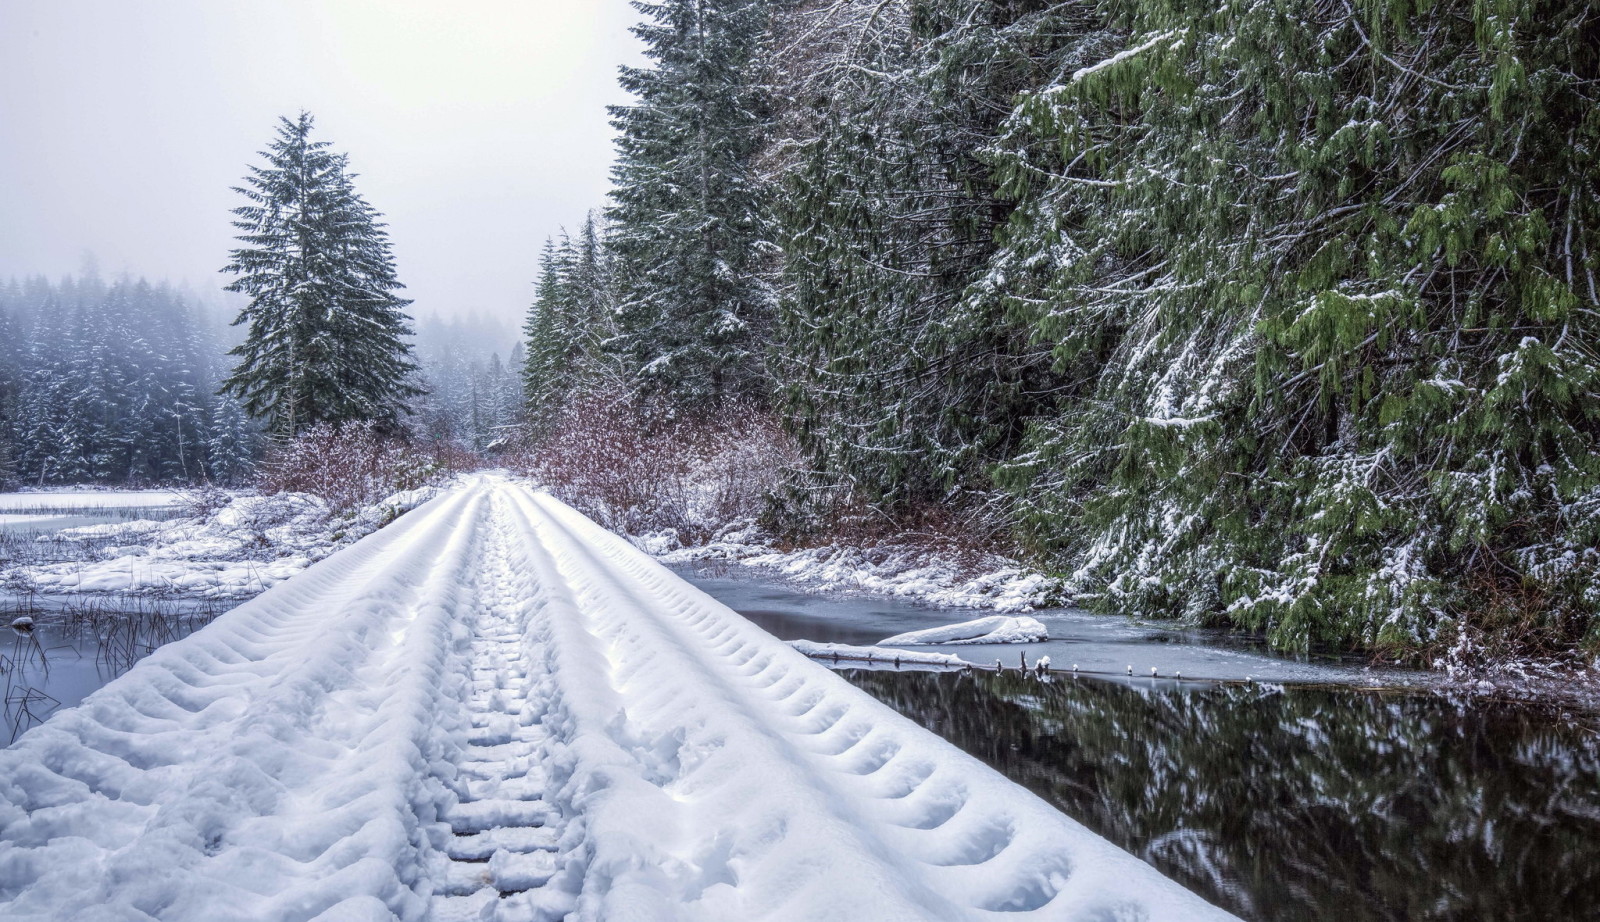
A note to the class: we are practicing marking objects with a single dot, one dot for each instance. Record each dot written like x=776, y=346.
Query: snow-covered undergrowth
x=686, y=478
x=497, y=710
x=234, y=549
x=993, y=629
x=1474, y=665
x=927, y=573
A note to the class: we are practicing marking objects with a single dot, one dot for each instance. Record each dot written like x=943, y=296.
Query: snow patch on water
x=844, y=651
x=993, y=629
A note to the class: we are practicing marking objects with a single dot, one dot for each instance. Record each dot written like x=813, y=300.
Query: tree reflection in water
x=1298, y=803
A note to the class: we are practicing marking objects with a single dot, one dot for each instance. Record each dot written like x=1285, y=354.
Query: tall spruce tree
x=326, y=333
x=689, y=224
x=571, y=326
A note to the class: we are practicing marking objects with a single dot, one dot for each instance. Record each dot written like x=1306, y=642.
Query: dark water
x=1095, y=643
x=1298, y=802
x=76, y=646
x=1320, y=798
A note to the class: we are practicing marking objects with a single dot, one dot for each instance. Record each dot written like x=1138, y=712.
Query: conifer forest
x=1282, y=316
x=800, y=460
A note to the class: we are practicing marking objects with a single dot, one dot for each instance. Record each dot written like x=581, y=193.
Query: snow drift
x=993, y=629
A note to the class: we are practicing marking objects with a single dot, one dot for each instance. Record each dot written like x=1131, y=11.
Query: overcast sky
x=477, y=128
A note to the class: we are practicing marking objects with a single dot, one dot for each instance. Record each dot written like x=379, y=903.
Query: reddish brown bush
x=693, y=477
x=350, y=465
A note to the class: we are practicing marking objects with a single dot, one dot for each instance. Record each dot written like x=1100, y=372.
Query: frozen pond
x=28, y=514
x=1327, y=791
x=59, y=500
x=1095, y=643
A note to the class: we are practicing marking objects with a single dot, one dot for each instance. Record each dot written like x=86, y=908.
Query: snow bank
x=845, y=651
x=993, y=629
x=496, y=710
x=275, y=765
x=915, y=572
x=236, y=551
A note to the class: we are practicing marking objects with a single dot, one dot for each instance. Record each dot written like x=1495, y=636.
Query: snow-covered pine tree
x=570, y=326
x=689, y=218
x=230, y=443
x=902, y=386
x=1327, y=273
x=546, y=368
x=326, y=333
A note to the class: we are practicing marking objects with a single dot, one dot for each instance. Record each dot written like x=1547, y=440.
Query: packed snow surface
x=993, y=629
x=493, y=709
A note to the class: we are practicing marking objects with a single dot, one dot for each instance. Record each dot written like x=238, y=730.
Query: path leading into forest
x=494, y=709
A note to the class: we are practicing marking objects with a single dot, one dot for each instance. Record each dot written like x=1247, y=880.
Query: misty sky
x=477, y=128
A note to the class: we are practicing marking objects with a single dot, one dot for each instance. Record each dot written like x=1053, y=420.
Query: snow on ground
x=235, y=551
x=993, y=629
x=934, y=575
x=493, y=709
x=80, y=498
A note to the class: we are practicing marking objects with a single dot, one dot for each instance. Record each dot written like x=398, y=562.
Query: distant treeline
x=1283, y=315
x=114, y=383
x=472, y=384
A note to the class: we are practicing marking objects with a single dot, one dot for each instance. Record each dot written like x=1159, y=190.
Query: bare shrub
x=349, y=466
x=693, y=477
x=204, y=499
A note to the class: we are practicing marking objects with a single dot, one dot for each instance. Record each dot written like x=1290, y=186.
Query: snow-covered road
x=494, y=709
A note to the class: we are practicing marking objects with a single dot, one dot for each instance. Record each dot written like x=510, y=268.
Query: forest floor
x=496, y=709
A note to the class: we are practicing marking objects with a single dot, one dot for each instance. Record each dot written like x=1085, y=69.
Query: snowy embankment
x=932, y=574
x=235, y=551
x=496, y=710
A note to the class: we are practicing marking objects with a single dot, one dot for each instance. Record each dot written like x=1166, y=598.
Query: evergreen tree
x=546, y=373
x=689, y=225
x=326, y=333
x=1326, y=276
x=571, y=327
x=905, y=374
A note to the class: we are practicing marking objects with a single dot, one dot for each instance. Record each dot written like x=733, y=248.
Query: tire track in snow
x=506, y=845
x=493, y=709
x=777, y=790
x=267, y=766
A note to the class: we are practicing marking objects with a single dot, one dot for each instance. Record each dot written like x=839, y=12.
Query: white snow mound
x=843, y=651
x=993, y=629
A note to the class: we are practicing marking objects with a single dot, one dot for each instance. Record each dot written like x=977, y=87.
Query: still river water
x=1331, y=792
